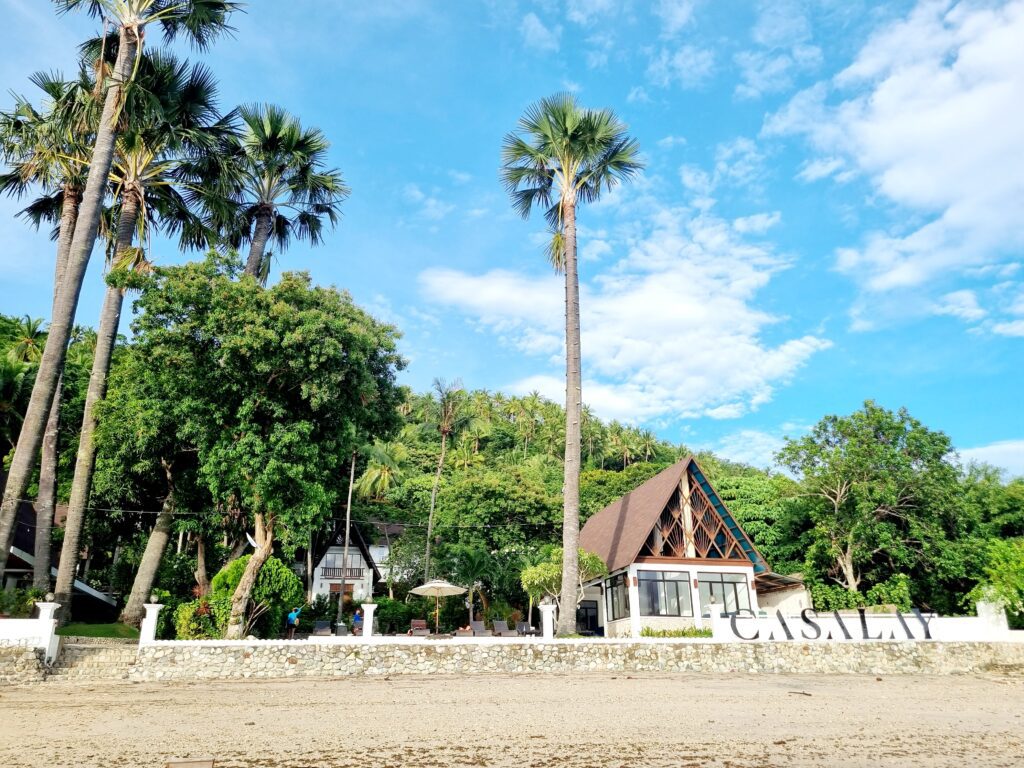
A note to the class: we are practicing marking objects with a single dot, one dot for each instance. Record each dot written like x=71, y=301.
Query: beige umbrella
x=437, y=588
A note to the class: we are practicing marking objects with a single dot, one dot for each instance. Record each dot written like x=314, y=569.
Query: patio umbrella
x=437, y=588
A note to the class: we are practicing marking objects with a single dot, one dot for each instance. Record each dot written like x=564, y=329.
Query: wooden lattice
x=710, y=538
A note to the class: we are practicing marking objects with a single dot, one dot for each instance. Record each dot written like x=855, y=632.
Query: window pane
x=730, y=598
x=705, y=595
x=734, y=577
x=673, y=598
x=685, y=609
x=677, y=576
x=743, y=596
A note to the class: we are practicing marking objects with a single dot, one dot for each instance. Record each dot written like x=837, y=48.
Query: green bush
x=893, y=591
x=829, y=597
x=393, y=616
x=684, y=632
x=277, y=587
x=202, y=619
x=1004, y=579
x=19, y=603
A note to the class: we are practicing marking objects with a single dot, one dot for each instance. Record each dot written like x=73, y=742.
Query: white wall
x=789, y=601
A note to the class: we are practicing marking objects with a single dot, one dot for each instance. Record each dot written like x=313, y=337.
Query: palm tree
x=647, y=444
x=276, y=185
x=475, y=565
x=14, y=385
x=177, y=104
x=199, y=20
x=49, y=149
x=27, y=346
x=447, y=413
x=561, y=156
x=385, y=468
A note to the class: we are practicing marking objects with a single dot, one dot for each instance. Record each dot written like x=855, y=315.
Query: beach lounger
x=524, y=628
x=501, y=629
x=479, y=630
x=418, y=628
x=321, y=628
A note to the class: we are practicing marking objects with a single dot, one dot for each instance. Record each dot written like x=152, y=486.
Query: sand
x=592, y=720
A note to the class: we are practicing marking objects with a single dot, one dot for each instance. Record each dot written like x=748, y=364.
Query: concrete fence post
x=147, y=633
x=547, y=620
x=49, y=640
x=368, y=609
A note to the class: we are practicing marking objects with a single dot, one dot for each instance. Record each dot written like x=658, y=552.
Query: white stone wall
x=789, y=601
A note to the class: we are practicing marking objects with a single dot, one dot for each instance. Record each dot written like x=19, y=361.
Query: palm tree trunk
x=240, y=599
x=573, y=413
x=46, y=501
x=85, y=461
x=201, y=574
x=433, y=502
x=260, y=238
x=348, y=531
x=134, y=609
x=52, y=362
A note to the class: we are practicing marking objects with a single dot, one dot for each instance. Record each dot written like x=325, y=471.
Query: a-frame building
x=674, y=553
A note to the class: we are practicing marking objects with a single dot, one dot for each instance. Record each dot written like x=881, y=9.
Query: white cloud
x=930, y=112
x=670, y=142
x=460, y=177
x=600, y=48
x=1008, y=455
x=961, y=304
x=688, y=67
x=757, y=224
x=674, y=15
x=537, y=36
x=739, y=162
x=1010, y=328
x=587, y=11
x=638, y=95
x=669, y=331
x=750, y=446
x=595, y=250
x=429, y=207
x=820, y=168
x=782, y=33
x=571, y=86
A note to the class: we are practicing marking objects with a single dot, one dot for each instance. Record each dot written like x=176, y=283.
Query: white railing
x=38, y=633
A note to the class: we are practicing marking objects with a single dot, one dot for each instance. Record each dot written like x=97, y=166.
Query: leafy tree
x=448, y=414
x=277, y=589
x=880, y=482
x=1003, y=581
x=543, y=579
x=279, y=386
x=561, y=156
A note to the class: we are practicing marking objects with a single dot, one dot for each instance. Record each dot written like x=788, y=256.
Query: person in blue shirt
x=293, y=622
x=357, y=622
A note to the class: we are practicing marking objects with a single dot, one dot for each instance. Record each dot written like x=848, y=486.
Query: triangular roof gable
x=619, y=531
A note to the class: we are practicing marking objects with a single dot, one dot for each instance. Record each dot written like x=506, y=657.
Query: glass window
x=726, y=591
x=665, y=593
x=618, y=597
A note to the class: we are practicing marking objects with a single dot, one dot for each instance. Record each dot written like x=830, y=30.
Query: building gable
x=676, y=514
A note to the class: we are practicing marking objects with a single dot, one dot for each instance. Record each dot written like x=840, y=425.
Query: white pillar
x=48, y=637
x=147, y=633
x=368, y=609
x=547, y=620
x=634, y=601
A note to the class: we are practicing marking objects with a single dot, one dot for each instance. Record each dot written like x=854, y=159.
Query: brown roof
x=617, y=532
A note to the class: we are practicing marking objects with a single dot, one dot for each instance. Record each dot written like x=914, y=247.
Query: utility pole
x=348, y=527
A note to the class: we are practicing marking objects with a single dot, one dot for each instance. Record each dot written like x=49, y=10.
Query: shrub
x=829, y=597
x=19, y=603
x=893, y=591
x=277, y=587
x=392, y=616
x=202, y=619
x=684, y=632
x=1004, y=579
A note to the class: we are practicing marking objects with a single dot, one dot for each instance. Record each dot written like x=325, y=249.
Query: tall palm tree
x=474, y=566
x=276, y=183
x=14, y=385
x=448, y=414
x=27, y=345
x=385, y=468
x=560, y=156
x=49, y=149
x=176, y=104
x=199, y=20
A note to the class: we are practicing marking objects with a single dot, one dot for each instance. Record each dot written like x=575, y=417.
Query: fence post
x=147, y=633
x=48, y=637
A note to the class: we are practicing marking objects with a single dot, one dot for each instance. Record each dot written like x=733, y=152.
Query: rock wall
x=192, y=661
x=19, y=664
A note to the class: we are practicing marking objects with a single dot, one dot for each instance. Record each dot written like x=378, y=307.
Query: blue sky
x=831, y=209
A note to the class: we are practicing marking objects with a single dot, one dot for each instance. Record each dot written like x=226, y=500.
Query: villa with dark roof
x=675, y=553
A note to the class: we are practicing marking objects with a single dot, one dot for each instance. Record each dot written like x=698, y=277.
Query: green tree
x=563, y=155
x=385, y=468
x=199, y=20
x=279, y=385
x=880, y=482
x=447, y=413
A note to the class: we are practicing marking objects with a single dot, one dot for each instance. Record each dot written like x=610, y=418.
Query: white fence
x=34, y=633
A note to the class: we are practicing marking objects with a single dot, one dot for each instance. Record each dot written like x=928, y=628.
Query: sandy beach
x=594, y=720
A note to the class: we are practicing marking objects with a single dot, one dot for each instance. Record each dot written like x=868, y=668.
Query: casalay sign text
x=811, y=625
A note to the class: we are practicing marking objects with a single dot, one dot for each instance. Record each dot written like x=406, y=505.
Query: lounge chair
x=479, y=630
x=501, y=629
x=524, y=628
x=419, y=628
x=321, y=628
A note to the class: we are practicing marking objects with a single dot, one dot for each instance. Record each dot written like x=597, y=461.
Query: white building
x=361, y=574
x=674, y=553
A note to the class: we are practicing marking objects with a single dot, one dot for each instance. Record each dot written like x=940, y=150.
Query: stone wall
x=220, y=660
x=19, y=664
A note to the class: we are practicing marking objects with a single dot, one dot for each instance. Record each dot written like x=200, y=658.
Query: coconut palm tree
x=448, y=414
x=15, y=382
x=27, y=345
x=474, y=566
x=276, y=185
x=562, y=155
x=176, y=104
x=49, y=149
x=385, y=468
x=199, y=20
